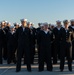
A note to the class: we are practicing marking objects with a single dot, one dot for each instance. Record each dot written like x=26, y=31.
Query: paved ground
x=10, y=70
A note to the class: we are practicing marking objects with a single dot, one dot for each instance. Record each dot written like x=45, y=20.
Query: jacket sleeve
x=16, y=34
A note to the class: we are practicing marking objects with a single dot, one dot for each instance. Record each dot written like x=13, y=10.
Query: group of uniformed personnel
x=52, y=42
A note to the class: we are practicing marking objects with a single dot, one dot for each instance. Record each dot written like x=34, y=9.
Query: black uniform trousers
x=32, y=53
x=56, y=51
x=65, y=49
x=33, y=42
x=2, y=36
x=26, y=53
x=45, y=56
x=1, y=53
x=32, y=49
x=11, y=49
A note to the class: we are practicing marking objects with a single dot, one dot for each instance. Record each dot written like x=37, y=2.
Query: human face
x=72, y=23
x=2, y=25
x=12, y=29
x=58, y=23
x=5, y=24
x=17, y=26
x=29, y=25
x=8, y=25
x=46, y=27
x=42, y=28
x=66, y=24
x=24, y=23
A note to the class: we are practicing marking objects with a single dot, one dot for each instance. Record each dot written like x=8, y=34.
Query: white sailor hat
x=11, y=26
x=72, y=20
x=65, y=21
x=45, y=23
x=58, y=21
x=5, y=21
x=42, y=25
x=52, y=25
x=19, y=24
x=23, y=20
x=29, y=22
x=15, y=23
x=8, y=23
